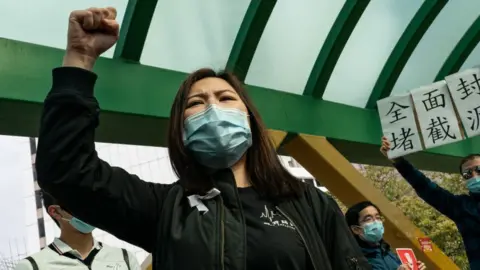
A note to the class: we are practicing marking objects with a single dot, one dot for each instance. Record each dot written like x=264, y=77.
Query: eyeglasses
x=369, y=219
x=468, y=173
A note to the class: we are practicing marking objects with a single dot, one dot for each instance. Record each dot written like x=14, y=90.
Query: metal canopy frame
x=461, y=51
x=136, y=111
x=133, y=33
x=248, y=37
x=332, y=48
x=407, y=43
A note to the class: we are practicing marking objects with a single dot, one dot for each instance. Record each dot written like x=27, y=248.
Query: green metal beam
x=333, y=46
x=248, y=36
x=136, y=101
x=404, y=48
x=134, y=30
x=461, y=51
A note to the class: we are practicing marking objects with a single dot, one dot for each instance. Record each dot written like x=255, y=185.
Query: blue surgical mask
x=373, y=231
x=80, y=225
x=473, y=184
x=217, y=137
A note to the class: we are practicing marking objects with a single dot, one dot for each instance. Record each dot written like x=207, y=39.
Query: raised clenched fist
x=91, y=32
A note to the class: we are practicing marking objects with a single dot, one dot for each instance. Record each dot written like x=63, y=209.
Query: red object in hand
x=407, y=257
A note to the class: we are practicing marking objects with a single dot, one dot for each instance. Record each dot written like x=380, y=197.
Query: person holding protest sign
x=463, y=209
x=366, y=224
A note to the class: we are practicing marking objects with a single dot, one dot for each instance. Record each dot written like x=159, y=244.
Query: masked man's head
x=66, y=221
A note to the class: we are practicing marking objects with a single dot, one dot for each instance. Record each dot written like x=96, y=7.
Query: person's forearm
x=78, y=60
x=413, y=176
x=429, y=191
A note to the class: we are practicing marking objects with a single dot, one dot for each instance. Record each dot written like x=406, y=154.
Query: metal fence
x=18, y=251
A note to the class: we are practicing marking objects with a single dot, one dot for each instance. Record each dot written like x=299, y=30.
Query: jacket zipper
x=242, y=214
x=222, y=233
x=299, y=233
x=384, y=261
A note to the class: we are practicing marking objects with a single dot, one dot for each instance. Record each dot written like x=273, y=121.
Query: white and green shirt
x=59, y=255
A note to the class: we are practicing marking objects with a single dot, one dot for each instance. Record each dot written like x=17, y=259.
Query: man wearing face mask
x=463, y=209
x=76, y=248
x=365, y=221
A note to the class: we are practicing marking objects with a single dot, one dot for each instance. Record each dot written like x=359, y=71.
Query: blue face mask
x=373, y=232
x=473, y=184
x=80, y=225
x=217, y=137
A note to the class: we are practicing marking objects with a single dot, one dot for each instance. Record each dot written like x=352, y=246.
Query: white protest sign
x=436, y=115
x=465, y=90
x=398, y=125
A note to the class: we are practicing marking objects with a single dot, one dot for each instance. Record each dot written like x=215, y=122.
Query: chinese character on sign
x=468, y=88
x=433, y=100
x=395, y=112
x=465, y=90
x=436, y=115
x=398, y=124
x=439, y=129
x=403, y=141
x=475, y=118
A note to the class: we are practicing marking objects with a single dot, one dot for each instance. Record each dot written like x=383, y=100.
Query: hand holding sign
x=421, y=266
x=385, y=148
x=408, y=259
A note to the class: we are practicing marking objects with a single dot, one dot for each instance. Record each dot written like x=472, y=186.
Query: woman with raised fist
x=234, y=207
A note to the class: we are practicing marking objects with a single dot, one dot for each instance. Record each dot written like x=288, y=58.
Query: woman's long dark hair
x=267, y=174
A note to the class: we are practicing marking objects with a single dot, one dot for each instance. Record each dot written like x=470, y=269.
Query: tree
x=439, y=228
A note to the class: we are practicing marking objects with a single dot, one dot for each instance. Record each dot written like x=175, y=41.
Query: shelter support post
x=341, y=178
x=277, y=137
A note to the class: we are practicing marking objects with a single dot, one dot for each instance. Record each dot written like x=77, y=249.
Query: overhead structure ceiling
x=315, y=67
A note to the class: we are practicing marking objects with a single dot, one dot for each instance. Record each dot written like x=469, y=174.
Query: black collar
x=87, y=261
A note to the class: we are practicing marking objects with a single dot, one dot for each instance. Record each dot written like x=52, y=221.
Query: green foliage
x=439, y=228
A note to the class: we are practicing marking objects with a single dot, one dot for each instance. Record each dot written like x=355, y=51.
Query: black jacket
x=157, y=217
x=380, y=257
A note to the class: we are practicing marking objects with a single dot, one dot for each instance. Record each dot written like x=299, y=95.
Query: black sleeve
x=69, y=168
x=441, y=199
x=342, y=248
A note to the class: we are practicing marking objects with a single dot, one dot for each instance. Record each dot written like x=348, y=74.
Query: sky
x=189, y=34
